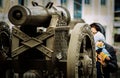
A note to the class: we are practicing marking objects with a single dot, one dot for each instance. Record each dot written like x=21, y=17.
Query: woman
x=111, y=65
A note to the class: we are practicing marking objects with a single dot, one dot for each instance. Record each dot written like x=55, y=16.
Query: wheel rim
x=4, y=43
x=81, y=53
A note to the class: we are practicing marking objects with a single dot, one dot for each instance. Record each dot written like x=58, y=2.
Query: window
x=117, y=38
x=103, y=2
x=63, y=1
x=87, y=1
x=21, y=2
x=1, y=3
x=117, y=35
x=117, y=13
x=77, y=8
x=117, y=5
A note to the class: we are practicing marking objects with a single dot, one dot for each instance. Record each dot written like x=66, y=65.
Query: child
x=102, y=56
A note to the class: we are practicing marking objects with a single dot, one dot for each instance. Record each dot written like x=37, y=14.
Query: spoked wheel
x=4, y=41
x=5, y=54
x=81, y=53
x=4, y=50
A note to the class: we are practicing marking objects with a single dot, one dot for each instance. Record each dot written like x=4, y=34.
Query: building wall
x=104, y=14
x=70, y=7
x=6, y=5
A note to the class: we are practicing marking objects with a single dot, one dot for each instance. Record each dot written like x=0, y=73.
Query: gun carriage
x=46, y=42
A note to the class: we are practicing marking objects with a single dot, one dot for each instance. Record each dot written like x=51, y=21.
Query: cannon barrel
x=35, y=16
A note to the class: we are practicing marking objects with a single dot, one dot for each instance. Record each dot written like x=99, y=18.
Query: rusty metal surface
x=61, y=42
x=30, y=42
x=72, y=53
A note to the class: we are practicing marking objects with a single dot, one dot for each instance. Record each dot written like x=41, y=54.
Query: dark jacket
x=112, y=64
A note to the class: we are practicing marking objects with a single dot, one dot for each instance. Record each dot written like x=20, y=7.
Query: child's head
x=99, y=44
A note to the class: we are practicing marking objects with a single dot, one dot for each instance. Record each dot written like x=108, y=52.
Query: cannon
x=46, y=43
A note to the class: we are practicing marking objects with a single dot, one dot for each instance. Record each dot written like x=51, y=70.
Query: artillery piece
x=64, y=50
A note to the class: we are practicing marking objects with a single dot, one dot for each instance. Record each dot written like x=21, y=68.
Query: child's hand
x=107, y=58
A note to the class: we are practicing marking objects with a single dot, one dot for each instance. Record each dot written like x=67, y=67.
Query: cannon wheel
x=5, y=54
x=4, y=40
x=81, y=53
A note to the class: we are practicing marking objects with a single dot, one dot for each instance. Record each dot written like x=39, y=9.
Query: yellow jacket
x=101, y=57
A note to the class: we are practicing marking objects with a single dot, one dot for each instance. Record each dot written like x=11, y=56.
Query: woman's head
x=94, y=25
x=94, y=31
x=94, y=28
x=97, y=27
